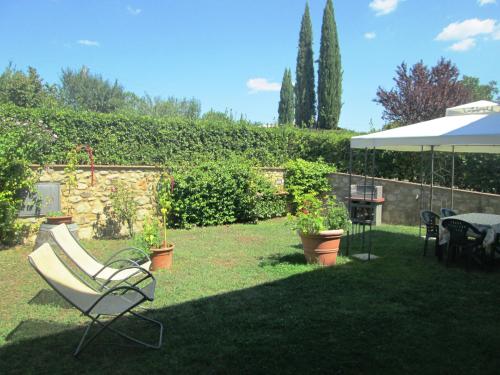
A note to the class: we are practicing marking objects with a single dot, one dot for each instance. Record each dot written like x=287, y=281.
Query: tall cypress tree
x=305, y=98
x=329, y=72
x=286, y=106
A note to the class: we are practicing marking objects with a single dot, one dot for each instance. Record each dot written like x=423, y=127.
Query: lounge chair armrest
x=122, y=289
x=142, y=252
x=139, y=269
x=130, y=261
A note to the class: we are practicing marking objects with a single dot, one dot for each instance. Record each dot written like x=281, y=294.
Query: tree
x=421, y=93
x=305, y=98
x=82, y=90
x=286, y=105
x=158, y=107
x=329, y=72
x=478, y=91
x=24, y=89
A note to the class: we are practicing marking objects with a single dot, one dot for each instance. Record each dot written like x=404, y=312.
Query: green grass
x=240, y=299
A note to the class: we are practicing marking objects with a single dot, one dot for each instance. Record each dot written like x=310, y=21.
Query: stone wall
x=88, y=203
x=403, y=201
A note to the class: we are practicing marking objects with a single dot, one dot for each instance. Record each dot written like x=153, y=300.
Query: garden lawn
x=240, y=299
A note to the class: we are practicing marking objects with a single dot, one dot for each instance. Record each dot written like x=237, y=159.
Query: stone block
x=74, y=199
x=83, y=207
x=141, y=200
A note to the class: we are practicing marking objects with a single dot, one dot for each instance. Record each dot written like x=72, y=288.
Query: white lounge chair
x=115, y=301
x=102, y=273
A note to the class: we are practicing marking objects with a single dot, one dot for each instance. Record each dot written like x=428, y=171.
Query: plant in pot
x=162, y=252
x=152, y=240
x=320, y=225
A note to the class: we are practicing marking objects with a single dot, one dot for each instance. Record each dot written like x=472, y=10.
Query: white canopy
x=472, y=127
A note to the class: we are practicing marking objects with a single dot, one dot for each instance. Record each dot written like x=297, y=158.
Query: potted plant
x=162, y=252
x=320, y=224
x=152, y=240
x=57, y=217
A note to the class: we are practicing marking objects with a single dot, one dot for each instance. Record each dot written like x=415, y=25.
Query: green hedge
x=120, y=139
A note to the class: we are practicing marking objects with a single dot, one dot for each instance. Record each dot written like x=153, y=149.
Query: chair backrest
x=429, y=218
x=460, y=230
x=72, y=248
x=60, y=278
x=447, y=212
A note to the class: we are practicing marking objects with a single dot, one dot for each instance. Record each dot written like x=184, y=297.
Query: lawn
x=240, y=299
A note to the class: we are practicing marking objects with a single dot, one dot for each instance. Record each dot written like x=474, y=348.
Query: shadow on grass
x=51, y=298
x=276, y=259
x=362, y=317
x=29, y=329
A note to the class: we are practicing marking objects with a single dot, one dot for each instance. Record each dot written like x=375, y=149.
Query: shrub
x=214, y=193
x=19, y=142
x=315, y=214
x=124, y=205
x=305, y=177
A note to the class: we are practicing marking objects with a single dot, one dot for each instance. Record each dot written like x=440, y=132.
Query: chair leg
x=425, y=244
x=83, y=344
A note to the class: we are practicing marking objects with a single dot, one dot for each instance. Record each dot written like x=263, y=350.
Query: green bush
x=214, y=193
x=144, y=140
x=306, y=177
x=20, y=142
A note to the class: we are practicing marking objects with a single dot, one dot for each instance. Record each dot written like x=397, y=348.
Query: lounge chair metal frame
x=109, y=262
x=95, y=318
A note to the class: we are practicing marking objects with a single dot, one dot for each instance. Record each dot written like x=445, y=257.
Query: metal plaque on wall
x=45, y=198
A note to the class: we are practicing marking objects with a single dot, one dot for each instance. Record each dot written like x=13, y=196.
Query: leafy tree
x=82, y=90
x=305, y=98
x=24, y=89
x=286, y=105
x=329, y=72
x=421, y=93
x=478, y=91
x=158, y=107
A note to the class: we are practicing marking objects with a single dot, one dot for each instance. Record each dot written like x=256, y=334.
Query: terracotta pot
x=322, y=248
x=162, y=258
x=56, y=220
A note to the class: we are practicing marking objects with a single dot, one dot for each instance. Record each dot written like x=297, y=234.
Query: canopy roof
x=472, y=127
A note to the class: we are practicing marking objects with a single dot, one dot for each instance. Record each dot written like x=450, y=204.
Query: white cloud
x=467, y=29
x=383, y=7
x=88, y=43
x=485, y=2
x=370, y=35
x=262, y=84
x=463, y=45
x=496, y=34
x=134, y=11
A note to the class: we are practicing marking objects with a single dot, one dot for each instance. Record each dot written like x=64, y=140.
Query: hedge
x=143, y=140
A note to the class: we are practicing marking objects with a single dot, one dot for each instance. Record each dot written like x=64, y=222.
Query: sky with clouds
x=232, y=54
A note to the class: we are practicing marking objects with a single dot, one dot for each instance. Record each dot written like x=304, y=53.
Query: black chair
x=431, y=221
x=447, y=212
x=466, y=240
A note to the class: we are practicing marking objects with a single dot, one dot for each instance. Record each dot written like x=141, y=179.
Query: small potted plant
x=162, y=252
x=320, y=225
x=152, y=240
x=57, y=217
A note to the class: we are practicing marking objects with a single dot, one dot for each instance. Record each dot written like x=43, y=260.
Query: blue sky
x=231, y=54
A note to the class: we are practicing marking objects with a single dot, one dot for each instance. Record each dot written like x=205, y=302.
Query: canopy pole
x=349, y=201
x=421, y=198
x=365, y=170
x=452, y=173
x=432, y=179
